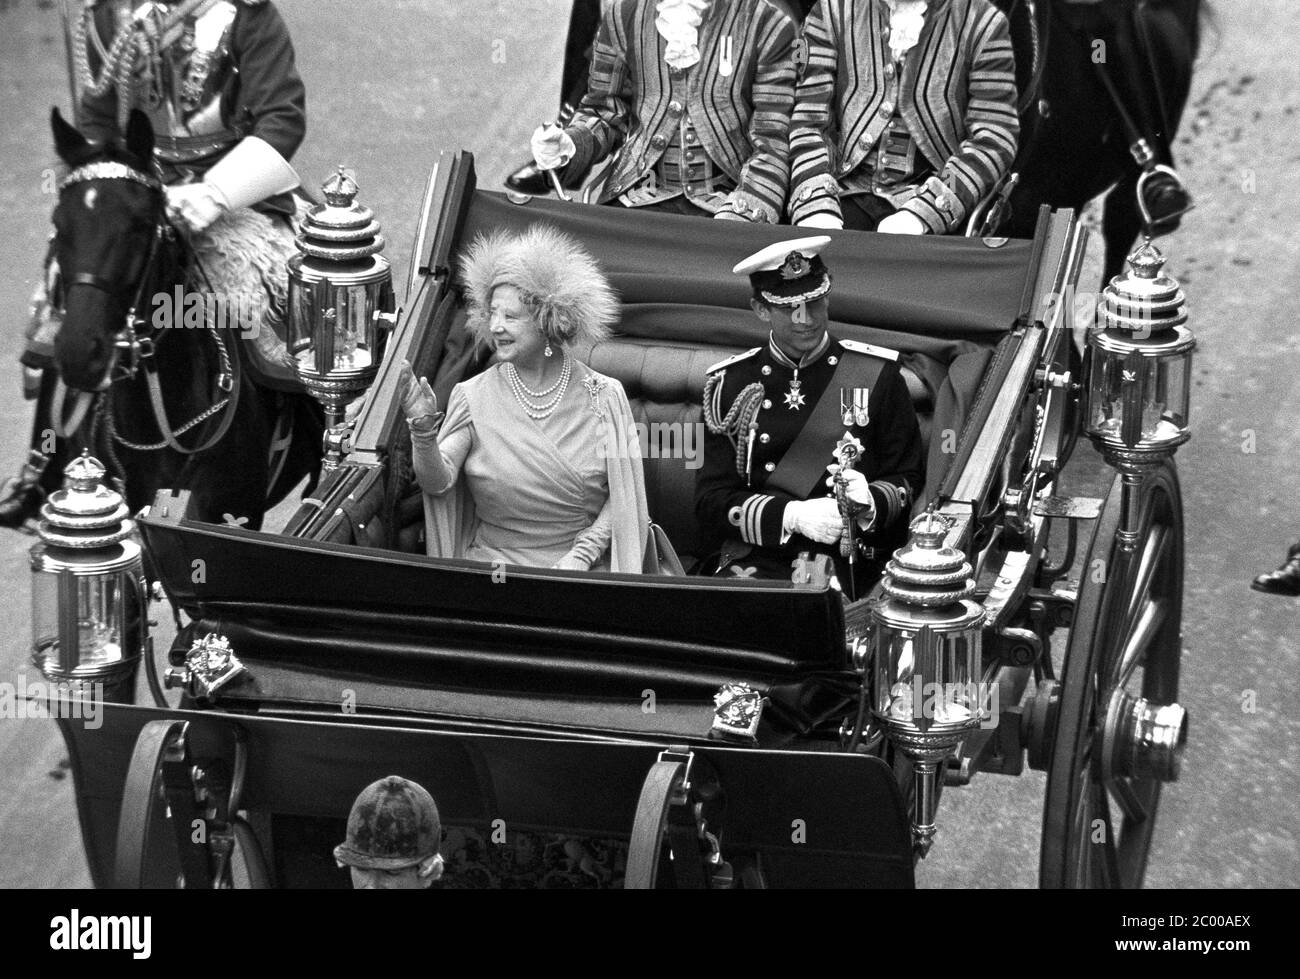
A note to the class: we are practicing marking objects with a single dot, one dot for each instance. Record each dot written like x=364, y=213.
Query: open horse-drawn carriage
x=719, y=732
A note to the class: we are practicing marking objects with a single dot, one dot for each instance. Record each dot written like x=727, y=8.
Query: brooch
x=594, y=386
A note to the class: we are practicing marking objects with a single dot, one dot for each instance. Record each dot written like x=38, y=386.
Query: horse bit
x=139, y=350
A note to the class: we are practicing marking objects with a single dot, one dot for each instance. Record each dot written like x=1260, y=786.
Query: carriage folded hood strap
x=805, y=462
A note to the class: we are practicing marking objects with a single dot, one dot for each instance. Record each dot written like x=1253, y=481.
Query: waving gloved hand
x=818, y=520
x=196, y=206
x=419, y=403
x=552, y=147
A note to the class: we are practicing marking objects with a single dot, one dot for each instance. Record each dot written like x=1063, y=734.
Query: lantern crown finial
x=1144, y=299
x=339, y=188
x=84, y=513
x=926, y=572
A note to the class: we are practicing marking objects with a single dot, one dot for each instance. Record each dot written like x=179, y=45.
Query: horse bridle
x=134, y=350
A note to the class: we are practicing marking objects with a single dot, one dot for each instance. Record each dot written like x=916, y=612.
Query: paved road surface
x=388, y=89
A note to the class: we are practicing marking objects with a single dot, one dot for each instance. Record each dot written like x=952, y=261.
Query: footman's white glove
x=818, y=520
x=822, y=220
x=552, y=147
x=902, y=223
x=195, y=205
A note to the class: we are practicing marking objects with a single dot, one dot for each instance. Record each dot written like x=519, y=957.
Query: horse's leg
x=1121, y=223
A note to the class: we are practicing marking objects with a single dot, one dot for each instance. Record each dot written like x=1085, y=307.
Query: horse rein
x=139, y=349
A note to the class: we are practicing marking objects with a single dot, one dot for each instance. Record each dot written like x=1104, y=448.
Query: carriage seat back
x=664, y=383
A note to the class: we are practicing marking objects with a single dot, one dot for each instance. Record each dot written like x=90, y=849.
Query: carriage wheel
x=1118, y=733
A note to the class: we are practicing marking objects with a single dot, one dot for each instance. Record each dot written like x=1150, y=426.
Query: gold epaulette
x=722, y=364
x=870, y=349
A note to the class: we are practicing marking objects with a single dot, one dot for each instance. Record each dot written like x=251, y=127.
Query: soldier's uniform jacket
x=202, y=102
x=956, y=95
x=735, y=504
x=734, y=104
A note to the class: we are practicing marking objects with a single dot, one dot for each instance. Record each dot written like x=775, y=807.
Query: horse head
x=107, y=220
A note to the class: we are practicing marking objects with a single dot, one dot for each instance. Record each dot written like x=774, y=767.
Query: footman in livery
x=779, y=419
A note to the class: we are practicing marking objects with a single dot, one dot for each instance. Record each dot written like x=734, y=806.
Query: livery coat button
x=889, y=70
x=658, y=141
x=886, y=106
x=769, y=466
x=675, y=107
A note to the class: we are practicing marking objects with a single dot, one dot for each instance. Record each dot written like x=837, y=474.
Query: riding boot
x=42, y=472
x=1163, y=198
x=1285, y=580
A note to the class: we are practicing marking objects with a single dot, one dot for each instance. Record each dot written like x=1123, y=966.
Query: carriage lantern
x=927, y=660
x=88, y=590
x=1139, y=384
x=340, y=305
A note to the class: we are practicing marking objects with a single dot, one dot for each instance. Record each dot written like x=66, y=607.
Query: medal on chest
x=853, y=406
x=794, y=398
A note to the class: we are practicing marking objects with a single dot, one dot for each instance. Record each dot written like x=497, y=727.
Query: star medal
x=794, y=399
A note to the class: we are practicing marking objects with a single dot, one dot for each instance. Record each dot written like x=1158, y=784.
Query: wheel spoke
x=1139, y=639
x=1130, y=804
x=1153, y=552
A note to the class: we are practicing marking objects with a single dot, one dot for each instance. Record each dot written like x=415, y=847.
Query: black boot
x=529, y=179
x=22, y=494
x=1285, y=580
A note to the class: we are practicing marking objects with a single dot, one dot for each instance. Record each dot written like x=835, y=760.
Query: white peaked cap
x=251, y=172
x=772, y=257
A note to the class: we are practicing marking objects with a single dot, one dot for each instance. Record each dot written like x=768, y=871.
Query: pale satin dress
x=524, y=490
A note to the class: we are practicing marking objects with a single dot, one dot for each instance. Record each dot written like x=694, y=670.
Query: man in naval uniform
x=228, y=108
x=771, y=485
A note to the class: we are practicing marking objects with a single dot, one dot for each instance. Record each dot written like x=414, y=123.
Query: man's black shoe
x=1285, y=580
x=21, y=501
x=529, y=179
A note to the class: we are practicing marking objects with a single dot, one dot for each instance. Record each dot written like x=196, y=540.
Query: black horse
x=1074, y=141
x=117, y=253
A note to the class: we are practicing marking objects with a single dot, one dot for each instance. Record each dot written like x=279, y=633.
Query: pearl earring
x=548, y=352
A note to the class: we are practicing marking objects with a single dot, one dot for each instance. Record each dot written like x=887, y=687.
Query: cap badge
x=795, y=266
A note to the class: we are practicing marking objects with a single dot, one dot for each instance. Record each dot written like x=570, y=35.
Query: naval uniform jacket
x=737, y=98
x=250, y=88
x=956, y=95
x=736, y=510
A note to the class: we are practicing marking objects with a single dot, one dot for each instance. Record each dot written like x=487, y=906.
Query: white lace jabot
x=906, y=18
x=678, y=23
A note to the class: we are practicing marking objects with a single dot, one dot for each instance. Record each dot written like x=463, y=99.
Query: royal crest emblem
x=737, y=710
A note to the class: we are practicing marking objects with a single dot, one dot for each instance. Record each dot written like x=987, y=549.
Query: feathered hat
x=559, y=283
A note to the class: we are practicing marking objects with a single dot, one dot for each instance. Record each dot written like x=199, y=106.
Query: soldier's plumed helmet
x=559, y=283
x=394, y=824
x=788, y=273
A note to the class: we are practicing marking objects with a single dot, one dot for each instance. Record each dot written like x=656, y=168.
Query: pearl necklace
x=528, y=398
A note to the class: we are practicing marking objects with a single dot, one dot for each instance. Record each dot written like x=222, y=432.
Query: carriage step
x=1069, y=507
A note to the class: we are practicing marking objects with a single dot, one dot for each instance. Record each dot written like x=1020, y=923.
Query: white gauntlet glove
x=857, y=491
x=822, y=220
x=552, y=147
x=818, y=520
x=195, y=205
x=902, y=223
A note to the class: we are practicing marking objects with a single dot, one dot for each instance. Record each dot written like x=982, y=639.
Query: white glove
x=572, y=562
x=195, y=205
x=902, y=223
x=419, y=403
x=822, y=220
x=818, y=520
x=552, y=147
x=856, y=490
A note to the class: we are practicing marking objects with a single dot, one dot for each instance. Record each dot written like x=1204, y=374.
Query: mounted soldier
x=217, y=80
